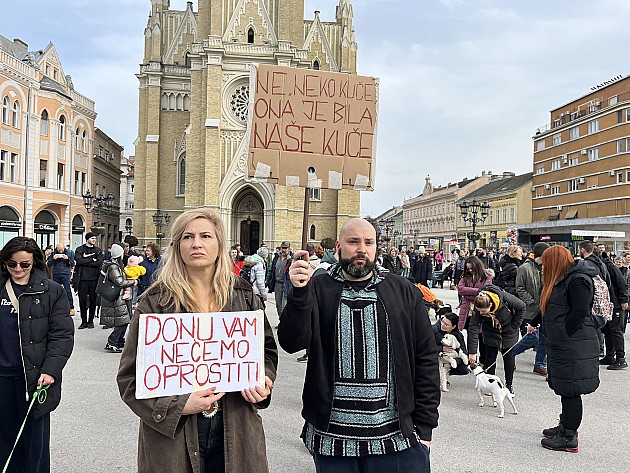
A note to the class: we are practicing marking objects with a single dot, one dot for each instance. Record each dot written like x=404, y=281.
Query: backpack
x=246, y=273
x=602, y=309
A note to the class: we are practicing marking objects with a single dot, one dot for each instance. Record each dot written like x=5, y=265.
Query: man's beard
x=354, y=270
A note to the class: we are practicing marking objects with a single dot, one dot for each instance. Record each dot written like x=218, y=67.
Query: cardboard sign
x=301, y=119
x=182, y=353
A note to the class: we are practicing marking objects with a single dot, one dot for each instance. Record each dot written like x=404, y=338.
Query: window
x=315, y=193
x=593, y=126
x=540, y=170
x=55, y=72
x=593, y=154
x=619, y=178
x=5, y=110
x=557, y=139
x=574, y=161
x=497, y=215
x=505, y=216
x=490, y=219
x=132, y=188
x=43, y=127
x=573, y=185
x=62, y=128
x=555, y=190
x=574, y=133
x=540, y=145
x=77, y=175
x=43, y=168
x=316, y=65
x=628, y=176
x=512, y=214
x=613, y=100
x=60, y=180
x=620, y=146
x=250, y=36
x=619, y=116
x=4, y=161
x=628, y=114
x=83, y=182
x=13, y=170
x=84, y=142
x=555, y=165
x=311, y=233
x=181, y=176
x=15, y=115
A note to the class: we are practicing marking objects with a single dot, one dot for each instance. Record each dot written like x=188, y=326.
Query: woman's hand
x=472, y=358
x=447, y=349
x=45, y=380
x=201, y=401
x=258, y=394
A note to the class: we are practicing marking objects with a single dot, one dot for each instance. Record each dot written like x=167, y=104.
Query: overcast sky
x=464, y=83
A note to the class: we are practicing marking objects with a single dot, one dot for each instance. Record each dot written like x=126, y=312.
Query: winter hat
x=89, y=235
x=117, y=251
x=134, y=260
x=539, y=248
x=263, y=252
x=421, y=249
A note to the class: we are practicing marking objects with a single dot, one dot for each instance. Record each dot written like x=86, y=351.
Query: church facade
x=193, y=107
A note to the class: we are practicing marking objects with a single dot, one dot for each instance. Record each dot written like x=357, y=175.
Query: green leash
x=39, y=396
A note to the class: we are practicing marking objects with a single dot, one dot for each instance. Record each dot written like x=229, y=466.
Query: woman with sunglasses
x=36, y=340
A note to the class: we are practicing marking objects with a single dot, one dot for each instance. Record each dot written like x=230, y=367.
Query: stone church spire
x=345, y=14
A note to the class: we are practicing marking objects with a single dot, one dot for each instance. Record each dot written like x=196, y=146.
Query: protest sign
x=301, y=119
x=182, y=353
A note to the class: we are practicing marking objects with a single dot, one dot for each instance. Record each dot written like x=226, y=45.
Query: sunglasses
x=23, y=264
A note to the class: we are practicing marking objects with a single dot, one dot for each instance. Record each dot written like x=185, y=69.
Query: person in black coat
x=613, y=331
x=392, y=262
x=448, y=324
x=572, y=345
x=509, y=264
x=35, y=344
x=89, y=259
x=423, y=270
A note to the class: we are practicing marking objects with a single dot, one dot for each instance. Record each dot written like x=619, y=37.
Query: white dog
x=448, y=359
x=491, y=384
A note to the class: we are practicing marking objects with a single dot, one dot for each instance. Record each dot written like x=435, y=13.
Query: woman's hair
x=394, y=249
x=453, y=319
x=17, y=244
x=173, y=281
x=556, y=260
x=512, y=250
x=482, y=301
x=154, y=248
x=478, y=272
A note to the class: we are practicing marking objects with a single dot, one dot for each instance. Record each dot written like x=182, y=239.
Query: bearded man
x=371, y=392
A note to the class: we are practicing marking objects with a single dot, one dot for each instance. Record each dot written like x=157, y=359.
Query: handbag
x=107, y=289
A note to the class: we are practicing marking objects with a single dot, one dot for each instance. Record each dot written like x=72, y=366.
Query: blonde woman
x=174, y=434
x=509, y=265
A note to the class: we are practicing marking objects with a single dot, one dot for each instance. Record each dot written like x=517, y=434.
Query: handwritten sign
x=301, y=119
x=182, y=353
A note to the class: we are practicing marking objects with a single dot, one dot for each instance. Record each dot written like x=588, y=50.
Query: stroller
x=432, y=302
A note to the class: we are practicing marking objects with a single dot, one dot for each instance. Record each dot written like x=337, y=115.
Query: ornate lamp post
x=474, y=212
x=387, y=226
x=160, y=220
x=98, y=205
x=128, y=228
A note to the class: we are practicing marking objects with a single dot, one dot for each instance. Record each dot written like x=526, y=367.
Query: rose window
x=239, y=103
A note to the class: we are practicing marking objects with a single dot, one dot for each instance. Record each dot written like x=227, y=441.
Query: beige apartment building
x=194, y=102
x=581, y=172
x=46, y=147
x=430, y=219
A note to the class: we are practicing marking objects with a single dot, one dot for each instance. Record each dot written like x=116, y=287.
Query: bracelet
x=211, y=414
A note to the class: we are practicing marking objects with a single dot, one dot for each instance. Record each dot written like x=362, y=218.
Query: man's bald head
x=355, y=224
x=60, y=247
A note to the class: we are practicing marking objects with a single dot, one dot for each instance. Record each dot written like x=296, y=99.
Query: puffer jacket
x=169, y=440
x=47, y=335
x=114, y=314
x=572, y=344
x=257, y=275
x=508, y=316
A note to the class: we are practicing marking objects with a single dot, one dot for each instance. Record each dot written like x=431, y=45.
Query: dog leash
x=485, y=370
x=39, y=396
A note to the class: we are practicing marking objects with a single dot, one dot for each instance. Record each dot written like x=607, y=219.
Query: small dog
x=491, y=384
x=448, y=359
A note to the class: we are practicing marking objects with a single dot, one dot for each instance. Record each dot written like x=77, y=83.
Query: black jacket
x=394, y=265
x=619, y=293
x=572, y=344
x=46, y=335
x=309, y=320
x=423, y=270
x=89, y=261
x=114, y=314
x=61, y=266
x=509, y=316
x=509, y=268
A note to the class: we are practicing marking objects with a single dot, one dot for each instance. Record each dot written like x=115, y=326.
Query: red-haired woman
x=572, y=344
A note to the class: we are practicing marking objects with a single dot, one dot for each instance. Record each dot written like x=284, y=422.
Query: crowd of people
x=367, y=404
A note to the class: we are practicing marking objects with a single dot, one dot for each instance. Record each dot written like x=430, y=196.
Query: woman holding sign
x=204, y=431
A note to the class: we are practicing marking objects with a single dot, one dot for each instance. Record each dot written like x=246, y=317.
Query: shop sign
x=598, y=233
x=78, y=228
x=45, y=227
x=10, y=224
x=545, y=238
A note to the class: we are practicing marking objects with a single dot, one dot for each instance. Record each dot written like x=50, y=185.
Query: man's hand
x=300, y=271
x=624, y=305
x=45, y=380
x=447, y=349
x=530, y=328
x=472, y=358
x=426, y=443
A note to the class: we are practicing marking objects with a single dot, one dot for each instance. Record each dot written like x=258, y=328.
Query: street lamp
x=98, y=205
x=387, y=225
x=129, y=228
x=474, y=212
x=416, y=232
x=160, y=220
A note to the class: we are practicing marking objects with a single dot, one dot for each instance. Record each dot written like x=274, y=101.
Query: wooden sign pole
x=307, y=198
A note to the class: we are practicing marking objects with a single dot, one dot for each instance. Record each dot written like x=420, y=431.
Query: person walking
x=351, y=313
x=61, y=262
x=175, y=435
x=423, y=270
x=460, y=264
x=116, y=314
x=472, y=280
x=89, y=259
x=279, y=284
x=36, y=341
x=572, y=344
x=528, y=288
x=493, y=328
x=509, y=265
x=615, y=357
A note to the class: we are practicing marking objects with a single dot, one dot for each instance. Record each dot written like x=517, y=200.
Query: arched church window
x=311, y=235
x=5, y=110
x=164, y=101
x=250, y=35
x=186, y=103
x=316, y=65
x=181, y=175
x=15, y=115
x=43, y=128
x=62, y=128
x=239, y=103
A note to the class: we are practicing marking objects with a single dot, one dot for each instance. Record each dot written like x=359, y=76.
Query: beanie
x=117, y=251
x=89, y=235
x=539, y=249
